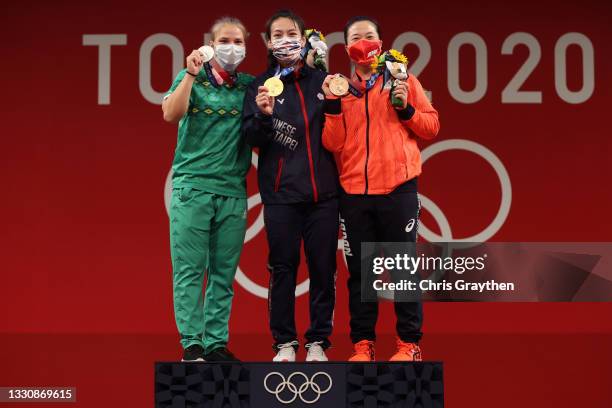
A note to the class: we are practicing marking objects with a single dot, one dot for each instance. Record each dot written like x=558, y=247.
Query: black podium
x=269, y=385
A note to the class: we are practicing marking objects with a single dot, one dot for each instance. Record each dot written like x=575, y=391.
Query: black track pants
x=378, y=218
x=286, y=226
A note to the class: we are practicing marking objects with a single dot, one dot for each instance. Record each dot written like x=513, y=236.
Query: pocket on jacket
x=183, y=193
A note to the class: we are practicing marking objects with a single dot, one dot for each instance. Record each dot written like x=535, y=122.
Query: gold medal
x=338, y=86
x=275, y=86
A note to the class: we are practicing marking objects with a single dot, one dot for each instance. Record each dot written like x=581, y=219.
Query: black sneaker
x=220, y=354
x=195, y=352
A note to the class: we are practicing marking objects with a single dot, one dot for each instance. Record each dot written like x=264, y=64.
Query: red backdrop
x=85, y=232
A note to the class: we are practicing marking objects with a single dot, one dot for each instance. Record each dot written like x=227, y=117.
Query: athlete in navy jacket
x=298, y=183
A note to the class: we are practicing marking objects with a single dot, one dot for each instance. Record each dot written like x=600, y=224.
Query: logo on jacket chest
x=284, y=134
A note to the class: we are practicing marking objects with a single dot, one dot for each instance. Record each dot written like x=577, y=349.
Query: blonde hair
x=220, y=22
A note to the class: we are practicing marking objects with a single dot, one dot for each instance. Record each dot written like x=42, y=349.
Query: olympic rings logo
x=297, y=391
x=446, y=234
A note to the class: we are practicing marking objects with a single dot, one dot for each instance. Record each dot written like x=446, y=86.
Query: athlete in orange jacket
x=378, y=160
x=374, y=144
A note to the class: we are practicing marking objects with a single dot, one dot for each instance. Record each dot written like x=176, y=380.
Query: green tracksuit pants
x=206, y=237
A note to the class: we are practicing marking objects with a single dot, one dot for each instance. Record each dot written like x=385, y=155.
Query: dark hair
x=281, y=14
x=357, y=19
x=284, y=14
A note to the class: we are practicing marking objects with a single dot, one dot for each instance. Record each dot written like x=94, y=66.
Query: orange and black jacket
x=293, y=165
x=374, y=144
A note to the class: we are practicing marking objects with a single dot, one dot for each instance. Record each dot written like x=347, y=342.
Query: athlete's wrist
x=332, y=106
x=406, y=113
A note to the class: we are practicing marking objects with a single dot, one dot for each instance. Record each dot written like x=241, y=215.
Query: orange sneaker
x=363, y=351
x=407, y=352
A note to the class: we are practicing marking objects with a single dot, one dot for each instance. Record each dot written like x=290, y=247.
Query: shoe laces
x=364, y=346
x=408, y=348
x=285, y=348
x=287, y=345
x=315, y=347
x=313, y=344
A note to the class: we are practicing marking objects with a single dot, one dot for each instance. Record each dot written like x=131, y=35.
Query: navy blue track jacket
x=293, y=165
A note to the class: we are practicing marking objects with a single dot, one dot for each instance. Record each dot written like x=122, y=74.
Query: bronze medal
x=338, y=86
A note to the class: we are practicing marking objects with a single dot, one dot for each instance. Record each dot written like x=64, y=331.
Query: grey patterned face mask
x=229, y=56
x=287, y=49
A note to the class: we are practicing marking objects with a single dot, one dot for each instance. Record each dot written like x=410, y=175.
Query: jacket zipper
x=367, y=141
x=278, y=174
x=310, y=162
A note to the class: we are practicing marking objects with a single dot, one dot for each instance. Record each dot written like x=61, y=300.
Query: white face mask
x=229, y=56
x=287, y=49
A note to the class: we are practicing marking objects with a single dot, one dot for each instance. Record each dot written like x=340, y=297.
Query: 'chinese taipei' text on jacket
x=293, y=165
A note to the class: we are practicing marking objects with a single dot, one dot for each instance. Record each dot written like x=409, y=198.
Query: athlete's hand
x=401, y=92
x=310, y=58
x=325, y=87
x=264, y=101
x=194, y=62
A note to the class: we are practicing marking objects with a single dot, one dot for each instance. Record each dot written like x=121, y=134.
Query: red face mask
x=363, y=51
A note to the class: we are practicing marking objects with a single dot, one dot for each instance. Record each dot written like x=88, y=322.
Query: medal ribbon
x=284, y=72
x=368, y=85
x=229, y=78
x=210, y=75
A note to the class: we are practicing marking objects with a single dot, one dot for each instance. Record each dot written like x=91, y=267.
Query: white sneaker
x=286, y=352
x=315, y=352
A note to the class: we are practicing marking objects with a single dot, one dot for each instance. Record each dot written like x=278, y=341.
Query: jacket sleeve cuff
x=265, y=120
x=332, y=106
x=407, y=113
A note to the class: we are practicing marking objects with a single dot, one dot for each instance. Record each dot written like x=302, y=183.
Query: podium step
x=269, y=385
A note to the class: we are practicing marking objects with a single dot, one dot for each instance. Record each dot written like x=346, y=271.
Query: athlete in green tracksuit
x=208, y=208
